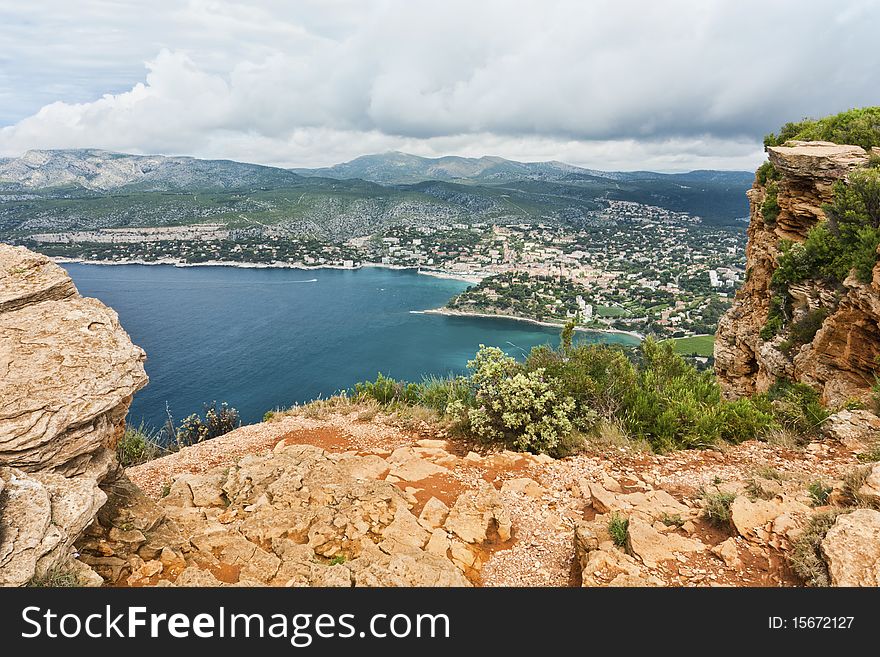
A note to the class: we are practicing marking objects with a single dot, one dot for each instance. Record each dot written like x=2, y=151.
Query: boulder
x=69, y=371
x=27, y=278
x=851, y=549
x=434, y=513
x=751, y=518
x=852, y=428
x=41, y=517
x=478, y=515
x=869, y=492
x=652, y=547
x=416, y=469
x=649, y=505
x=603, y=501
x=602, y=564
x=728, y=552
x=816, y=159
x=204, y=490
x=523, y=486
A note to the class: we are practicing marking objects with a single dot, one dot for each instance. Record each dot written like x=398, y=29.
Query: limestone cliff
x=839, y=362
x=67, y=375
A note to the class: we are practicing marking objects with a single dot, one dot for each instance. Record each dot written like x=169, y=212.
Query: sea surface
x=261, y=339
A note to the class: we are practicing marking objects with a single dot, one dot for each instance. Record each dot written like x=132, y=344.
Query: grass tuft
x=805, y=556
x=618, y=529
x=716, y=506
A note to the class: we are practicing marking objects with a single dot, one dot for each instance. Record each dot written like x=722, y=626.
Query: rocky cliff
x=68, y=374
x=840, y=360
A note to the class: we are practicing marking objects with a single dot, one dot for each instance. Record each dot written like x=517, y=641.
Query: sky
x=616, y=85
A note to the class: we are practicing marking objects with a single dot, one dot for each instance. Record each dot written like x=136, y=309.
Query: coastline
x=286, y=265
x=265, y=265
x=459, y=313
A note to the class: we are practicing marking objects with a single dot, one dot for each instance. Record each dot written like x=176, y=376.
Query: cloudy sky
x=617, y=84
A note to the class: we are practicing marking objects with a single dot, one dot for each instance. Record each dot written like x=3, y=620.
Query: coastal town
x=629, y=266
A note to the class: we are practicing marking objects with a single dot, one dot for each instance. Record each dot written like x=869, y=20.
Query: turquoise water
x=267, y=338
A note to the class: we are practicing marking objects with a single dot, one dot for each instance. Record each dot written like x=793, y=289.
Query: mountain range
x=62, y=190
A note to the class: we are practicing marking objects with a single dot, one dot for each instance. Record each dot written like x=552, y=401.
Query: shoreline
x=458, y=313
x=472, y=279
x=265, y=265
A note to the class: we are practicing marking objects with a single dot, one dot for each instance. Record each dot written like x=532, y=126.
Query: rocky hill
x=104, y=171
x=758, y=341
x=67, y=190
x=402, y=168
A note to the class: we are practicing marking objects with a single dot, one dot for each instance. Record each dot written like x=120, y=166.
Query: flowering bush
x=523, y=410
x=219, y=419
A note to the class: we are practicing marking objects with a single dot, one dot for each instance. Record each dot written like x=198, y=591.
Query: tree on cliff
x=846, y=241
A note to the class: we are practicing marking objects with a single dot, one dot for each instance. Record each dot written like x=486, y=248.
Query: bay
x=261, y=339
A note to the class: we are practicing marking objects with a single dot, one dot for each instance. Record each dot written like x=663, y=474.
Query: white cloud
x=614, y=85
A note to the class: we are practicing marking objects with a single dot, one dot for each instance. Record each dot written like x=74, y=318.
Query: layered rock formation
x=68, y=374
x=840, y=360
x=298, y=516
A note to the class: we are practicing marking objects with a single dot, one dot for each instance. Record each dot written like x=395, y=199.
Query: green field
x=702, y=345
x=610, y=311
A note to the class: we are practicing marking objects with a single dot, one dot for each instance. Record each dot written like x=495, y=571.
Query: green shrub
x=767, y=173
x=796, y=407
x=522, y=410
x=805, y=556
x=770, y=207
x=846, y=241
x=672, y=521
x=819, y=493
x=547, y=403
x=859, y=126
x=775, y=318
x=595, y=376
x=804, y=330
x=219, y=419
x=871, y=454
x=716, y=506
x=618, y=529
x=386, y=390
x=138, y=445
x=438, y=393
x=672, y=405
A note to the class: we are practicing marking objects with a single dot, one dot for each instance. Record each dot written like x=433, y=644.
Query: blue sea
x=267, y=338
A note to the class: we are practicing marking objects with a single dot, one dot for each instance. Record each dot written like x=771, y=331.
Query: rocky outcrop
x=840, y=361
x=297, y=516
x=854, y=428
x=851, y=549
x=68, y=373
x=69, y=370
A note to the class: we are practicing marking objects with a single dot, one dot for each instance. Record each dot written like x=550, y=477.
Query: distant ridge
x=84, y=189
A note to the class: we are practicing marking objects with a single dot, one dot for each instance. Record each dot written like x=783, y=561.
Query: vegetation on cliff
x=141, y=443
x=860, y=126
x=844, y=243
x=847, y=240
x=556, y=397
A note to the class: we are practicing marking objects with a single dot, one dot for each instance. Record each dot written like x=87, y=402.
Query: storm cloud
x=668, y=85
